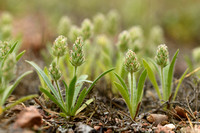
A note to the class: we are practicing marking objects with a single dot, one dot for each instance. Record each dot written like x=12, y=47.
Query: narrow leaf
x=84, y=105
x=10, y=89
x=66, y=94
x=179, y=83
x=78, y=87
x=20, y=55
x=100, y=76
x=152, y=78
x=141, y=85
x=121, y=81
x=71, y=93
x=170, y=74
x=45, y=78
x=79, y=101
x=56, y=101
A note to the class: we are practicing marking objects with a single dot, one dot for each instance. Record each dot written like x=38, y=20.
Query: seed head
x=131, y=63
x=112, y=22
x=77, y=56
x=9, y=67
x=123, y=41
x=64, y=26
x=74, y=33
x=137, y=38
x=162, y=55
x=60, y=46
x=98, y=22
x=4, y=48
x=54, y=71
x=86, y=29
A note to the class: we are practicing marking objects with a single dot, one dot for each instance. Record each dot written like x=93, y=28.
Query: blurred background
x=179, y=19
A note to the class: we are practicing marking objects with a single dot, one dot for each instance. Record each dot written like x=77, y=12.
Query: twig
x=191, y=112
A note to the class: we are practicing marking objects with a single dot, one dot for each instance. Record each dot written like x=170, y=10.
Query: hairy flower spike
x=131, y=63
x=156, y=35
x=112, y=22
x=64, y=26
x=60, y=46
x=86, y=29
x=4, y=48
x=162, y=55
x=74, y=33
x=77, y=56
x=98, y=22
x=123, y=41
x=54, y=71
x=9, y=67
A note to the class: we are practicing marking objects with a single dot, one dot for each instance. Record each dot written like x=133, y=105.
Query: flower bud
x=98, y=22
x=162, y=55
x=131, y=63
x=59, y=47
x=9, y=67
x=54, y=71
x=86, y=29
x=102, y=40
x=77, y=57
x=64, y=26
x=137, y=38
x=196, y=54
x=156, y=35
x=74, y=33
x=4, y=48
x=123, y=41
x=112, y=22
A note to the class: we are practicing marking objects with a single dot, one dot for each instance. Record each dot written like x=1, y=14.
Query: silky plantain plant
x=166, y=72
x=133, y=95
x=71, y=104
x=8, y=60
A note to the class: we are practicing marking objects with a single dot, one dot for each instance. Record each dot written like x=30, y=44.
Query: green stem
x=131, y=87
x=59, y=91
x=75, y=70
x=57, y=59
x=163, y=84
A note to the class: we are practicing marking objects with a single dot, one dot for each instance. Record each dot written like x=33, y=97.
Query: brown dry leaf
x=28, y=118
x=163, y=129
x=180, y=111
x=156, y=118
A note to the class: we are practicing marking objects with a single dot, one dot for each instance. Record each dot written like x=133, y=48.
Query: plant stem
x=75, y=70
x=59, y=91
x=131, y=87
x=163, y=84
x=57, y=59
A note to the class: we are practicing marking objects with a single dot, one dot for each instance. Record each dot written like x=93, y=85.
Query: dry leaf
x=28, y=118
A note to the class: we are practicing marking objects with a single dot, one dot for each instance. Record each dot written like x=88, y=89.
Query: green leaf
x=10, y=89
x=11, y=50
x=71, y=93
x=78, y=87
x=100, y=76
x=20, y=55
x=152, y=78
x=45, y=78
x=141, y=85
x=170, y=74
x=179, y=83
x=19, y=101
x=84, y=105
x=66, y=93
x=79, y=101
x=56, y=101
x=121, y=81
x=124, y=94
